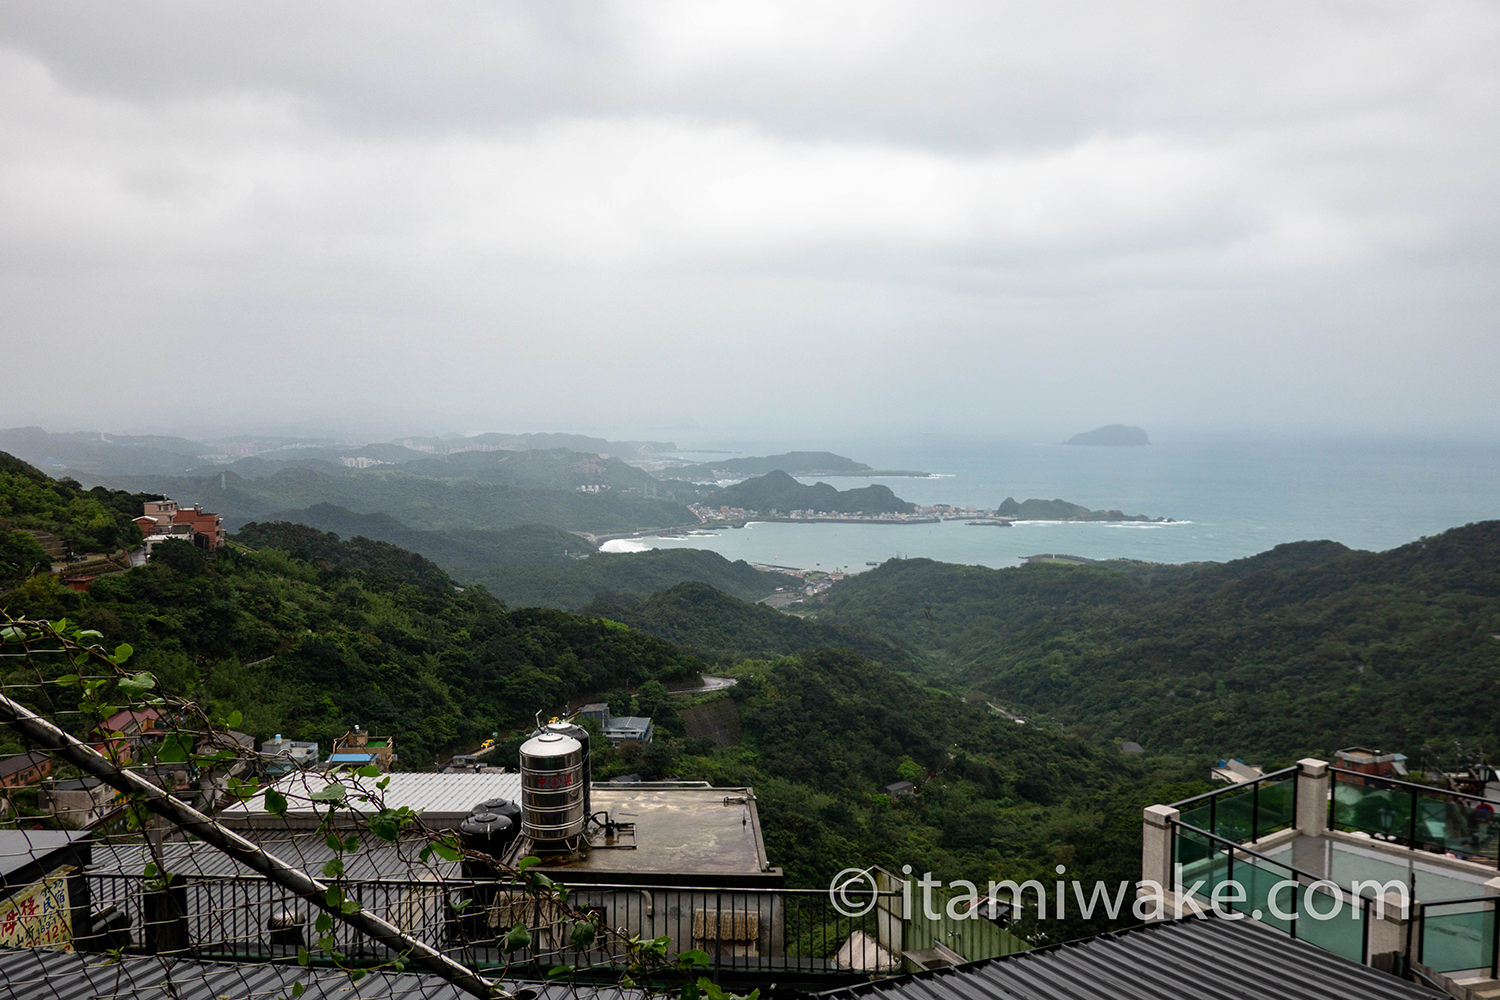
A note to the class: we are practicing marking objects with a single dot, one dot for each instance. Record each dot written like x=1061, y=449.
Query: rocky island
x=1062, y=510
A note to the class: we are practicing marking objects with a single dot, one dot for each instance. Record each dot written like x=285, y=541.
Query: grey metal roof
x=443, y=799
x=22, y=848
x=375, y=859
x=56, y=975
x=1200, y=958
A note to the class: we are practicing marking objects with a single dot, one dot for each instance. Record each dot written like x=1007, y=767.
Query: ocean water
x=1227, y=498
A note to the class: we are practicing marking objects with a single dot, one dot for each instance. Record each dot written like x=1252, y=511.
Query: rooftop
x=1191, y=959
x=47, y=975
x=683, y=831
x=443, y=799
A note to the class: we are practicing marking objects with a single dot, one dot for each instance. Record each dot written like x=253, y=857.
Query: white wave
x=626, y=545
x=941, y=475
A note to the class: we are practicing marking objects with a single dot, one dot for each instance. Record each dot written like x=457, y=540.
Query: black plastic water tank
x=488, y=833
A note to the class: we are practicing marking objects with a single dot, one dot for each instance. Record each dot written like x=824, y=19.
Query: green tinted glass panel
x=1374, y=810
x=1260, y=883
x=1198, y=861
x=1199, y=816
x=1234, y=815
x=1278, y=806
x=1331, y=922
x=1455, y=941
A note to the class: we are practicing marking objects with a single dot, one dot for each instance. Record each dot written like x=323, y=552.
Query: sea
x=1227, y=498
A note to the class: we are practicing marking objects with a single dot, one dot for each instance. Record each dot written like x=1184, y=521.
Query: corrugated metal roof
x=56, y=975
x=443, y=799
x=1200, y=958
x=375, y=859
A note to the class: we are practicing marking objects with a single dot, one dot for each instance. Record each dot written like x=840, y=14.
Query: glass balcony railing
x=1245, y=813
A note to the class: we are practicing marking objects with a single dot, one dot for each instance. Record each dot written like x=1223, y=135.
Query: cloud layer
x=634, y=216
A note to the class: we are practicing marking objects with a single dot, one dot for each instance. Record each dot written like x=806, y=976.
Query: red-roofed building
x=124, y=731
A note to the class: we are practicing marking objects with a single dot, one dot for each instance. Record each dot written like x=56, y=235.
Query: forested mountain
x=718, y=628
x=307, y=635
x=795, y=463
x=780, y=492
x=94, y=453
x=1302, y=649
x=423, y=503
x=310, y=635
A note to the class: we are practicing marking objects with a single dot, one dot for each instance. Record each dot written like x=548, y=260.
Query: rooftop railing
x=739, y=929
x=1458, y=935
x=1247, y=811
x=1419, y=817
x=1286, y=897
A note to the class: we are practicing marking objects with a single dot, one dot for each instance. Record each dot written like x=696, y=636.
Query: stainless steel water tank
x=582, y=736
x=552, y=789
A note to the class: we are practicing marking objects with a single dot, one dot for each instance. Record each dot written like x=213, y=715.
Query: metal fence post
x=1411, y=829
x=1255, y=812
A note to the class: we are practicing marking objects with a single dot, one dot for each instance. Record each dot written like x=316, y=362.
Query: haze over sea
x=1229, y=499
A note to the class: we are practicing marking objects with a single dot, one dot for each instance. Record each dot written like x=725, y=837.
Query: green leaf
x=386, y=824
x=329, y=793
x=334, y=842
x=137, y=684
x=527, y=862
x=175, y=749
x=333, y=867
x=446, y=850
x=582, y=936
x=693, y=959
x=323, y=924
x=303, y=958
x=355, y=975
x=236, y=718
x=516, y=938
x=66, y=680
x=351, y=844
x=122, y=652
x=369, y=771
x=298, y=989
x=559, y=970
x=690, y=991
x=276, y=803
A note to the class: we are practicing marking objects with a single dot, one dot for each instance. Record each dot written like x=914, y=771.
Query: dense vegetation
x=309, y=635
x=721, y=630
x=1299, y=650
x=97, y=520
x=431, y=504
x=780, y=492
x=1305, y=648
x=824, y=732
x=1059, y=510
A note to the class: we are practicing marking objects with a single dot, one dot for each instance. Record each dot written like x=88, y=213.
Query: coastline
x=684, y=529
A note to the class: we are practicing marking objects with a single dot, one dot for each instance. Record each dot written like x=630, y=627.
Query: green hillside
x=779, y=491
x=629, y=574
x=721, y=629
x=1307, y=647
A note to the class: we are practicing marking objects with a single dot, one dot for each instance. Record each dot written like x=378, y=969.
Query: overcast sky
x=700, y=218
